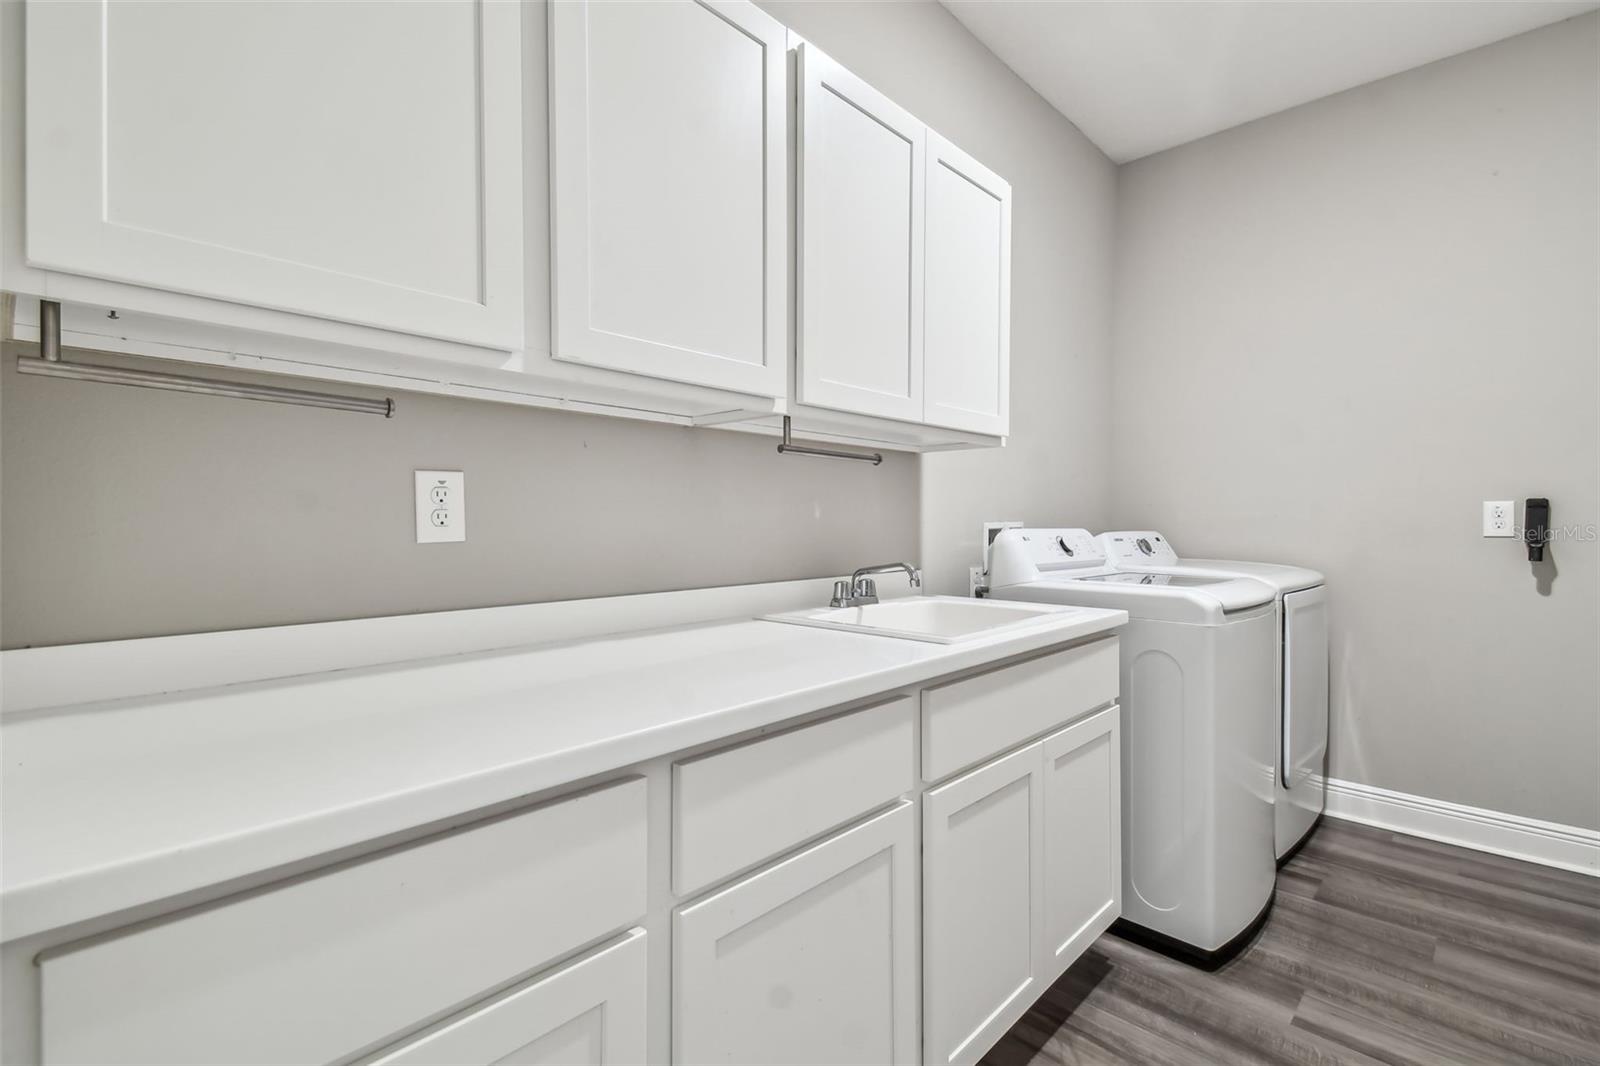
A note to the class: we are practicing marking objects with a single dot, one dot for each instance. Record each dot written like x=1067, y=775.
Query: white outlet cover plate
x=441, y=501
x=1499, y=518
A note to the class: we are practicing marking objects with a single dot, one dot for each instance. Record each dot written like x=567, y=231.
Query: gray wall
x=130, y=513
x=1338, y=330
x=1054, y=468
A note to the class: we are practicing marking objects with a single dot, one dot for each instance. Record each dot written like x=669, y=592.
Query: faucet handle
x=841, y=594
x=866, y=589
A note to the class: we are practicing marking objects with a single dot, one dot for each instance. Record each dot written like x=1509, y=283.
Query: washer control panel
x=1138, y=547
x=1023, y=554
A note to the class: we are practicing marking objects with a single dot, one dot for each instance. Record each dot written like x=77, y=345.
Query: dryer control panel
x=1020, y=555
x=1138, y=547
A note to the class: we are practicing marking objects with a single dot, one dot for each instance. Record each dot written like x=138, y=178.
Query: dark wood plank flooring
x=1380, y=948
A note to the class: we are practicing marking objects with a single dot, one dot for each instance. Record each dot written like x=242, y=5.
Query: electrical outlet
x=1499, y=518
x=441, y=497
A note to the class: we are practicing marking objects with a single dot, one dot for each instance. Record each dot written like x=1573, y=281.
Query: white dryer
x=1197, y=699
x=1300, y=726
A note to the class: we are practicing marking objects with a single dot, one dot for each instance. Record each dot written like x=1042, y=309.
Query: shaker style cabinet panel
x=1082, y=837
x=669, y=152
x=316, y=968
x=812, y=960
x=349, y=161
x=859, y=219
x=967, y=317
x=589, y=1013
x=981, y=913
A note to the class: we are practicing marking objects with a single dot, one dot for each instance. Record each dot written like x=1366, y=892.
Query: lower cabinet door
x=1082, y=837
x=591, y=1011
x=811, y=960
x=981, y=906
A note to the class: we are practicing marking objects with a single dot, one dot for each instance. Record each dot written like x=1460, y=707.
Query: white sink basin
x=938, y=619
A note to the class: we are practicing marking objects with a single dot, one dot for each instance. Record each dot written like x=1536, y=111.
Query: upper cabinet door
x=351, y=161
x=860, y=210
x=669, y=153
x=968, y=311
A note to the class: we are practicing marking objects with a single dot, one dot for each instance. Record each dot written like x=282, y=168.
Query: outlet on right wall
x=1341, y=328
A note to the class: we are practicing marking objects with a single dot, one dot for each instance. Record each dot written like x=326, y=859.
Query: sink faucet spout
x=861, y=590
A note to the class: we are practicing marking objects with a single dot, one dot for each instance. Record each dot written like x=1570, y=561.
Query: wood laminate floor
x=1380, y=948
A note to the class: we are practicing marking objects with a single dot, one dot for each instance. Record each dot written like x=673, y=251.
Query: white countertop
x=110, y=805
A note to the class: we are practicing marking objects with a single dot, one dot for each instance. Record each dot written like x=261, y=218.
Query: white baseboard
x=1568, y=847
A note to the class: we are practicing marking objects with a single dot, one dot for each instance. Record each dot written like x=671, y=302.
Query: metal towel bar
x=790, y=448
x=50, y=364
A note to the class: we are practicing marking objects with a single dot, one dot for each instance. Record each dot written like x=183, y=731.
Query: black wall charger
x=1535, y=526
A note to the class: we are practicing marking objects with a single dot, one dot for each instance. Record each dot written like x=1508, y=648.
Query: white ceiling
x=1138, y=76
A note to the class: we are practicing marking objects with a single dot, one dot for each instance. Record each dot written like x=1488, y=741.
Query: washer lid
x=1146, y=549
x=1230, y=591
x=1190, y=598
x=1171, y=580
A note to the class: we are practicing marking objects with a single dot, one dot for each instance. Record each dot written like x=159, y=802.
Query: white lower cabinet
x=811, y=960
x=811, y=929
x=591, y=1012
x=1082, y=767
x=981, y=913
x=1021, y=871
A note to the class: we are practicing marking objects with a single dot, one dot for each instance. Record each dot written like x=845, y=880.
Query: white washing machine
x=1300, y=727
x=1197, y=706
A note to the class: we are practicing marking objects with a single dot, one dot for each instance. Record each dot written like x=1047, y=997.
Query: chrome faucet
x=861, y=590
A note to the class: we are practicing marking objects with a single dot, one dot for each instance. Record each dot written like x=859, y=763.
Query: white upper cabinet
x=967, y=318
x=350, y=161
x=860, y=208
x=668, y=160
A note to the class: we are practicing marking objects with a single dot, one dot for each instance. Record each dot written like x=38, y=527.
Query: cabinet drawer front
x=735, y=808
x=322, y=967
x=966, y=721
x=589, y=1012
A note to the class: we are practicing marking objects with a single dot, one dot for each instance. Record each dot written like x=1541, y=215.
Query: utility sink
x=937, y=619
